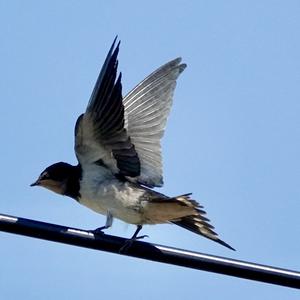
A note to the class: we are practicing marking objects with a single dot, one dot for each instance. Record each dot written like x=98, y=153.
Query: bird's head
x=55, y=177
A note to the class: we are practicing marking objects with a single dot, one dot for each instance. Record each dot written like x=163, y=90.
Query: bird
x=118, y=148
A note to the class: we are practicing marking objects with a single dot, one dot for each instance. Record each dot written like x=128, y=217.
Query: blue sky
x=232, y=139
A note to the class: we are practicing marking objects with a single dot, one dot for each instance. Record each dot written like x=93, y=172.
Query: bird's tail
x=197, y=222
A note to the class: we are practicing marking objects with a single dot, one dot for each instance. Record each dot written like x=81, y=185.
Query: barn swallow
x=117, y=144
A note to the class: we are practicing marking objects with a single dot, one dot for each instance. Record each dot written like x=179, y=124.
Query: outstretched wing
x=147, y=108
x=100, y=136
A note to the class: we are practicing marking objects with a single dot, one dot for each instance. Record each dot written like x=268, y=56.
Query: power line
x=159, y=253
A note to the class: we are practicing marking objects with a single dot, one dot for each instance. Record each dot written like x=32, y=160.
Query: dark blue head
x=59, y=178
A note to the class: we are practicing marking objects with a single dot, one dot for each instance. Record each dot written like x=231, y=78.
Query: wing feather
x=125, y=135
x=100, y=132
x=147, y=108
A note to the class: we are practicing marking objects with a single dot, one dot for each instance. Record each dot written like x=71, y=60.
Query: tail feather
x=197, y=223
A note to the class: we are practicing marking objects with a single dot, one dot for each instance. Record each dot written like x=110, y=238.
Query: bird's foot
x=141, y=237
x=99, y=230
x=129, y=243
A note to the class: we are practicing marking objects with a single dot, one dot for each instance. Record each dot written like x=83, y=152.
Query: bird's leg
x=129, y=242
x=135, y=237
x=108, y=223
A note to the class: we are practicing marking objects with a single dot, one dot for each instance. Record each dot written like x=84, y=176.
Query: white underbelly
x=118, y=198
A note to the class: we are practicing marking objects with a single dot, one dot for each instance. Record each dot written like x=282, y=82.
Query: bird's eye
x=45, y=176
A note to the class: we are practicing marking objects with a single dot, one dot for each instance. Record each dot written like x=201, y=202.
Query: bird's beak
x=35, y=183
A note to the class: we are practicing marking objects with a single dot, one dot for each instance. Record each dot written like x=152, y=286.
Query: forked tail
x=197, y=222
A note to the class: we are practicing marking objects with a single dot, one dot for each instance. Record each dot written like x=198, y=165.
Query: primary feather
x=147, y=108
